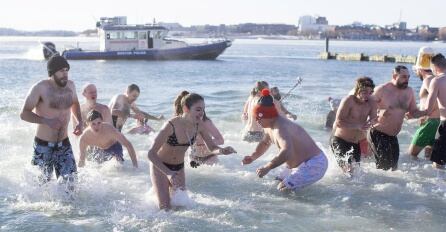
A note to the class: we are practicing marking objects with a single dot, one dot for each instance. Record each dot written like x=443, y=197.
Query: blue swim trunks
x=101, y=155
x=51, y=156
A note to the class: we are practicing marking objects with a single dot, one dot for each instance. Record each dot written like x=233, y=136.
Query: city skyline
x=56, y=15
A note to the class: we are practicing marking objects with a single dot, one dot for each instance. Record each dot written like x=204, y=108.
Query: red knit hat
x=265, y=107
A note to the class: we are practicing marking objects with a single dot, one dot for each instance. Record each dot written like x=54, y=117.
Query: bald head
x=90, y=92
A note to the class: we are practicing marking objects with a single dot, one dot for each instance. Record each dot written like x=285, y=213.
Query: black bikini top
x=172, y=140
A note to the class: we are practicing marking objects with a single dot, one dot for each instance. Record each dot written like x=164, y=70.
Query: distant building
x=321, y=20
x=312, y=25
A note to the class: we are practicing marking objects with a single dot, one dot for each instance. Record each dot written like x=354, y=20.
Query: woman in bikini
x=169, y=148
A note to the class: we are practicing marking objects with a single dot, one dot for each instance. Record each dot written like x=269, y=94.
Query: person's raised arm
x=245, y=110
x=124, y=141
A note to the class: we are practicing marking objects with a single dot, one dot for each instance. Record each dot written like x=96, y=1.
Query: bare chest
x=395, y=101
x=59, y=99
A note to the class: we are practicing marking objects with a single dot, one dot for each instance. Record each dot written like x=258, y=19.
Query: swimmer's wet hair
x=258, y=87
x=133, y=87
x=439, y=60
x=93, y=115
x=362, y=83
x=177, y=103
x=191, y=99
x=398, y=68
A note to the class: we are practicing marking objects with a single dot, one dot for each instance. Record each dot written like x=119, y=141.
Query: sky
x=79, y=15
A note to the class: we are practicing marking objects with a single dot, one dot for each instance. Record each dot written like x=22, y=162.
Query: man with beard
x=394, y=100
x=91, y=95
x=121, y=104
x=437, y=93
x=48, y=104
x=425, y=135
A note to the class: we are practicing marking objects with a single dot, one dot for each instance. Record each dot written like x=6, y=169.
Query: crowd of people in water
x=366, y=121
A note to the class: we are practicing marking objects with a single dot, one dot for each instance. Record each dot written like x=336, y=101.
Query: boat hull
x=192, y=52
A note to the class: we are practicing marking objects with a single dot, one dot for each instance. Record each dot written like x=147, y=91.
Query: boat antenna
x=298, y=82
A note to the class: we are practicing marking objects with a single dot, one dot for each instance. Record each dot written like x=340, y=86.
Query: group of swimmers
x=380, y=111
x=378, y=114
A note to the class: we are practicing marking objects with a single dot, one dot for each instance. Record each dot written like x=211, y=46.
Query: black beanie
x=56, y=63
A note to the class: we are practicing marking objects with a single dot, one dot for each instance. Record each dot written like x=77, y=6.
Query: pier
x=326, y=55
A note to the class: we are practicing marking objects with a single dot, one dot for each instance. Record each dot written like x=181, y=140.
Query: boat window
x=130, y=35
x=115, y=35
x=158, y=35
x=142, y=35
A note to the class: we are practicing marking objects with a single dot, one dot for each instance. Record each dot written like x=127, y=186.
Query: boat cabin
x=116, y=35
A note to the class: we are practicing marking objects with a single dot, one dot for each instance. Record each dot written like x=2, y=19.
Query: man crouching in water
x=306, y=163
x=48, y=104
x=105, y=137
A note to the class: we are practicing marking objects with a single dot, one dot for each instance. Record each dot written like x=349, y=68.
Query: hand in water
x=261, y=172
x=54, y=123
x=78, y=130
x=247, y=160
x=282, y=187
x=227, y=150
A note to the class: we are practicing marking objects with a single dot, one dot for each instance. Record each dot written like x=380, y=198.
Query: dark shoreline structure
x=327, y=55
x=362, y=57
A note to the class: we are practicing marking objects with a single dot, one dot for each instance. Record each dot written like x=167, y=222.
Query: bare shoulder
x=71, y=85
x=102, y=107
x=41, y=85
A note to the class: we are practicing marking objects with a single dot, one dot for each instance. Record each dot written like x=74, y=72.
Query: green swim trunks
x=425, y=135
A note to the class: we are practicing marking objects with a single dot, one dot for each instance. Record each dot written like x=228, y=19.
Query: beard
x=61, y=82
x=402, y=85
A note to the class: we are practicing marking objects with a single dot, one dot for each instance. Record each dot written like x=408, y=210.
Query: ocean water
x=227, y=196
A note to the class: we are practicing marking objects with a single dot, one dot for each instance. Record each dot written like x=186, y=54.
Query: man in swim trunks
x=49, y=104
x=106, y=138
x=424, y=137
x=394, y=100
x=121, y=105
x=355, y=115
x=305, y=162
x=91, y=95
x=437, y=93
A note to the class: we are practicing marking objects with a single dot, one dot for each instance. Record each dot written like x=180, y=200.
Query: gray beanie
x=56, y=63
